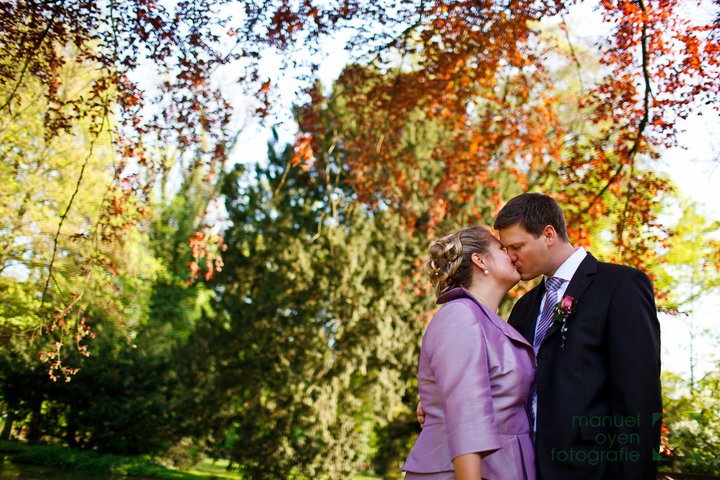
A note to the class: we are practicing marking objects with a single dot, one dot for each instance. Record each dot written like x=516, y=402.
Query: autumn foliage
x=482, y=71
x=282, y=327
x=490, y=79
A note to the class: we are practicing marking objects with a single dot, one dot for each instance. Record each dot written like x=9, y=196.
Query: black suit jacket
x=599, y=399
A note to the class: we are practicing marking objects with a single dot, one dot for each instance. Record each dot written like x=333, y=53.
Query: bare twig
x=573, y=54
x=643, y=122
x=63, y=217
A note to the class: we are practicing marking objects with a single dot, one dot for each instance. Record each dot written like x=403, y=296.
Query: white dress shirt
x=566, y=272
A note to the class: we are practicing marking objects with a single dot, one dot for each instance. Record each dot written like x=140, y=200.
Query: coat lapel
x=578, y=283
x=507, y=330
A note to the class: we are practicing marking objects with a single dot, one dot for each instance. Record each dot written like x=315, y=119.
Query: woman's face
x=501, y=265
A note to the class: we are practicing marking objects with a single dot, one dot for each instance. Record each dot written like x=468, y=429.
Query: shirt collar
x=570, y=266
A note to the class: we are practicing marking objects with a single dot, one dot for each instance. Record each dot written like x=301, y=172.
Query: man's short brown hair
x=533, y=211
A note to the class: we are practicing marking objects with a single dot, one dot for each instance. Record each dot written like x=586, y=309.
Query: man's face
x=528, y=253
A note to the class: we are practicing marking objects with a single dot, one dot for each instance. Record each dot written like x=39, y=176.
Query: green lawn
x=41, y=462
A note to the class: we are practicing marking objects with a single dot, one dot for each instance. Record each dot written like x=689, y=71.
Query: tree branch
x=641, y=126
x=62, y=221
x=29, y=59
x=573, y=54
x=643, y=122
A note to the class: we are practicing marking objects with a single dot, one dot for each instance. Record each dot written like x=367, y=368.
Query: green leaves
x=323, y=321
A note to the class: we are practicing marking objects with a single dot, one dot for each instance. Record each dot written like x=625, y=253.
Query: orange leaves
x=664, y=441
x=66, y=323
x=264, y=98
x=661, y=66
x=521, y=178
x=303, y=152
x=205, y=248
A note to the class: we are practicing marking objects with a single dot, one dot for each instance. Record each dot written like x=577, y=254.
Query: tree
x=693, y=423
x=90, y=155
x=482, y=71
x=487, y=71
x=60, y=217
x=690, y=269
x=691, y=263
x=127, y=394
x=318, y=323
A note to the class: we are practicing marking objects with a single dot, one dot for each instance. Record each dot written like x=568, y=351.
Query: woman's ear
x=479, y=261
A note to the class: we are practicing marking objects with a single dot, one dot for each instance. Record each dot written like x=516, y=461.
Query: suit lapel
x=524, y=319
x=578, y=283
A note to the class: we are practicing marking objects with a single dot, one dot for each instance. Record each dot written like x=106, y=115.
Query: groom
x=596, y=401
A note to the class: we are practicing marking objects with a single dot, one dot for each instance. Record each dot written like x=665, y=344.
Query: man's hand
x=420, y=415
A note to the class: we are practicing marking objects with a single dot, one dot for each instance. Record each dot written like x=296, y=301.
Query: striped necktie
x=552, y=284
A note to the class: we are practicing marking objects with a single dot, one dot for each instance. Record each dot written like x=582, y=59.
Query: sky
x=694, y=166
x=696, y=171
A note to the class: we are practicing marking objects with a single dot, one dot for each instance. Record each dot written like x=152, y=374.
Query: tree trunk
x=7, y=427
x=34, y=429
x=71, y=431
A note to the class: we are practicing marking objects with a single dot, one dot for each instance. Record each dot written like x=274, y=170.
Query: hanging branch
x=573, y=54
x=30, y=57
x=641, y=126
x=63, y=217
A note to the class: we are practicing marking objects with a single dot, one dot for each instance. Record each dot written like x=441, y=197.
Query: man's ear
x=549, y=235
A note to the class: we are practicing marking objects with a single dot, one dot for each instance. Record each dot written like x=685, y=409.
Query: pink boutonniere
x=563, y=309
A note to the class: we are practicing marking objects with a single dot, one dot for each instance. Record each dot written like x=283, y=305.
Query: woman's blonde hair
x=450, y=262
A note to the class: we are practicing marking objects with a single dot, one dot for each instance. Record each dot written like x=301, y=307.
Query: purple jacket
x=474, y=376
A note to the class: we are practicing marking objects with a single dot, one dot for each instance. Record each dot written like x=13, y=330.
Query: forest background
x=214, y=214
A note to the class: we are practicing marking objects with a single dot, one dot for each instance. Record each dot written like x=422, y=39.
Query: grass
x=216, y=469
x=50, y=461
x=35, y=462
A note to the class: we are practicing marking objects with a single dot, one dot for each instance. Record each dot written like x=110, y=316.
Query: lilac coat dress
x=474, y=376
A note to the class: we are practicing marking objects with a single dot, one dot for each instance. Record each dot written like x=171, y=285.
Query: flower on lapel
x=563, y=309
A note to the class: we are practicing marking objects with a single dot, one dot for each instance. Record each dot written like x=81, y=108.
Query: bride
x=474, y=371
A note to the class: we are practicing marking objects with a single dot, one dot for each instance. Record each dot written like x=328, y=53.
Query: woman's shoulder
x=458, y=313
x=456, y=327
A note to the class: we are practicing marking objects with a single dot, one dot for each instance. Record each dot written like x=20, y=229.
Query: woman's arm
x=467, y=467
x=457, y=352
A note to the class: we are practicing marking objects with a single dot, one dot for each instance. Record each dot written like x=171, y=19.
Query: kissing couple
x=568, y=388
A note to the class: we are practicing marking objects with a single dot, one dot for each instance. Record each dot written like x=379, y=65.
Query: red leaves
x=284, y=23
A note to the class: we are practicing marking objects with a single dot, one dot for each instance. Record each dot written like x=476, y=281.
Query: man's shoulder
x=616, y=269
x=622, y=278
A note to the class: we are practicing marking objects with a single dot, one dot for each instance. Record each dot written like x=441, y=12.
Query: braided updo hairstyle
x=450, y=262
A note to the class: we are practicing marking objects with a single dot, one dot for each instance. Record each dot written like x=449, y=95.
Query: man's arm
x=634, y=362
